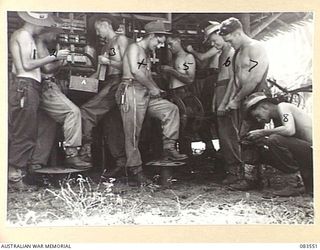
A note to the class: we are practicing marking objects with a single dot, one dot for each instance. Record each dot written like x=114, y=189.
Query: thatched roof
x=263, y=25
x=285, y=23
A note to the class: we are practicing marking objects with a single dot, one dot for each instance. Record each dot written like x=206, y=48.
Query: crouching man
x=287, y=146
x=138, y=94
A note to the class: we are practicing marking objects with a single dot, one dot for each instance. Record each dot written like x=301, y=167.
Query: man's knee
x=174, y=108
x=75, y=112
x=274, y=139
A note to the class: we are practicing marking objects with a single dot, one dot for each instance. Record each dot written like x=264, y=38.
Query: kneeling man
x=287, y=146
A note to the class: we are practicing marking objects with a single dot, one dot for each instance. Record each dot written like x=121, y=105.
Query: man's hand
x=155, y=92
x=233, y=104
x=221, y=110
x=63, y=63
x=189, y=48
x=103, y=60
x=62, y=54
x=255, y=134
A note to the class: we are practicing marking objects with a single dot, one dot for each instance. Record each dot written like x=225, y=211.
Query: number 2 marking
x=256, y=63
x=52, y=52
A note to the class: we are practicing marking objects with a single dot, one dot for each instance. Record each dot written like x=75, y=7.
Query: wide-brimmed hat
x=229, y=25
x=44, y=19
x=158, y=27
x=254, y=99
x=213, y=27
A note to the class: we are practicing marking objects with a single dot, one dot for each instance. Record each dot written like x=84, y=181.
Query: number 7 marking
x=256, y=63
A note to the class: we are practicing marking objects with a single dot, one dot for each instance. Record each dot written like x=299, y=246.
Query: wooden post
x=245, y=20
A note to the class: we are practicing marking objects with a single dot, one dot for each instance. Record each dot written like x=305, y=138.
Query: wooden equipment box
x=85, y=84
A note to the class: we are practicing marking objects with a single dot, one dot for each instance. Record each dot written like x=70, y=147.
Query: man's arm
x=140, y=69
x=203, y=56
x=253, y=71
x=43, y=52
x=189, y=72
x=25, y=49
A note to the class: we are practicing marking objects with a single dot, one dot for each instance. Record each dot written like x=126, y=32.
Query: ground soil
x=196, y=196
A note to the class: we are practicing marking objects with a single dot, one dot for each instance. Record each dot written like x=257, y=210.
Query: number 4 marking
x=141, y=63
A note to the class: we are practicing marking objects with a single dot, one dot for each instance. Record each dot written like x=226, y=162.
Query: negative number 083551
x=308, y=246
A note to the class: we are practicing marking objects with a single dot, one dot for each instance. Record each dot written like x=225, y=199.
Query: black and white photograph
x=159, y=118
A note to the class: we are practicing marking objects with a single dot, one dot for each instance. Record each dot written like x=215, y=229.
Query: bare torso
x=245, y=63
x=113, y=53
x=17, y=41
x=141, y=61
x=43, y=52
x=302, y=121
x=182, y=64
x=225, y=63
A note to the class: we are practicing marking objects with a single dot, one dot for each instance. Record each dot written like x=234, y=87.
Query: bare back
x=301, y=121
x=23, y=48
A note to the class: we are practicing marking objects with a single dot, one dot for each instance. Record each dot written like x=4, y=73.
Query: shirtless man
x=287, y=146
x=59, y=108
x=183, y=71
x=139, y=94
x=104, y=102
x=211, y=54
x=250, y=64
x=207, y=92
x=227, y=130
x=24, y=93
